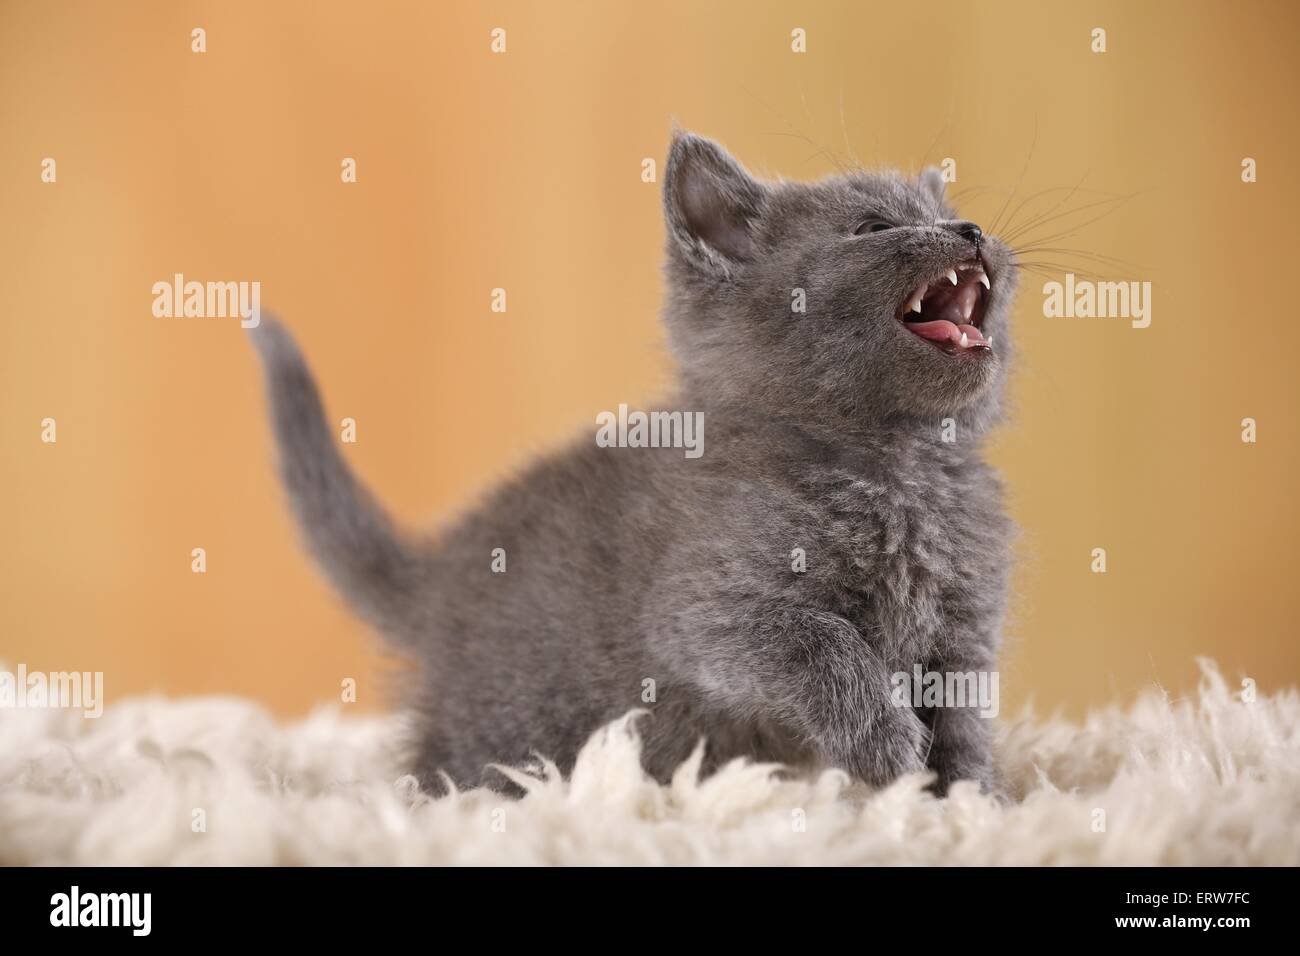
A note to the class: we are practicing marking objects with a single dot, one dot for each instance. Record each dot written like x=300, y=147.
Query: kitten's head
x=885, y=334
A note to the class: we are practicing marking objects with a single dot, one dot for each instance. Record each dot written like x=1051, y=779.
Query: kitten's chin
x=951, y=383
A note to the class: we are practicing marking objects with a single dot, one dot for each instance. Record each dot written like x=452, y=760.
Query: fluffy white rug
x=1208, y=780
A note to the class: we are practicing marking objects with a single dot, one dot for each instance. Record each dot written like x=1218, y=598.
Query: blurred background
x=522, y=170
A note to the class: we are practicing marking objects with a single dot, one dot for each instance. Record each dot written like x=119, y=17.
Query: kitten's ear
x=710, y=203
x=932, y=185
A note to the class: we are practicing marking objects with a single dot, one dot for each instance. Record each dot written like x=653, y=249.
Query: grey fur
x=631, y=564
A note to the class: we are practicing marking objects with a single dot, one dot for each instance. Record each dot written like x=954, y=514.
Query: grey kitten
x=640, y=577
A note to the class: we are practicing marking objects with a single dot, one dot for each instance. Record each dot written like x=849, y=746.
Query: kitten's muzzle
x=968, y=230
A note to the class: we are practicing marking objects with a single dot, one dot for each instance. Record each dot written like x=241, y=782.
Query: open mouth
x=948, y=312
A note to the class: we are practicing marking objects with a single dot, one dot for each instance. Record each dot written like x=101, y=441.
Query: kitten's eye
x=873, y=225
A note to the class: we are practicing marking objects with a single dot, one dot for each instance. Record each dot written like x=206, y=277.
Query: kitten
x=839, y=528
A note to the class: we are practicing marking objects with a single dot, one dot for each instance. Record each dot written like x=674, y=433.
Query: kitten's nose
x=967, y=230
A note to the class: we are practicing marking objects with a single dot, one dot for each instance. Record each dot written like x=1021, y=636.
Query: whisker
x=1084, y=253
x=1013, y=229
x=793, y=131
x=960, y=195
x=1072, y=230
x=1045, y=220
x=820, y=151
x=1024, y=169
x=1054, y=270
x=844, y=130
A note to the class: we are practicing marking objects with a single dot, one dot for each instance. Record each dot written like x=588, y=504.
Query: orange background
x=522, y=170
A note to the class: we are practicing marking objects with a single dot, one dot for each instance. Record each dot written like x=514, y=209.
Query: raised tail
x=351, y=537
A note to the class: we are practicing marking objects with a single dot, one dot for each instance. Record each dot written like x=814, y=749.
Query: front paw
x=979, y=771
x=893, y=745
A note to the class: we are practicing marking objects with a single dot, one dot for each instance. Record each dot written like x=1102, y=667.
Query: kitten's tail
x=351, y=537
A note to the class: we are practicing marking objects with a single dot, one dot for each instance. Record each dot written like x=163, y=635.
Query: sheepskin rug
x=1213, y=779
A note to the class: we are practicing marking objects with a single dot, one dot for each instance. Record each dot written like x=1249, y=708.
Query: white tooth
x=915, y=304
x=964, y=340
x=952, y=276
x=985, y=279
x=989, y=340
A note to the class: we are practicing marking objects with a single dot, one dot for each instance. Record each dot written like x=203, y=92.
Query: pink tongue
x=941, y=330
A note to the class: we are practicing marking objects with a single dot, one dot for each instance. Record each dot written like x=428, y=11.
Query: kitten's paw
x=976, y=772
x=892, y=746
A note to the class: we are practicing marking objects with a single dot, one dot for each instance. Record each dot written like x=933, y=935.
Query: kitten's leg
x=961, y=746
x=812, y=669
x=961, y=749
